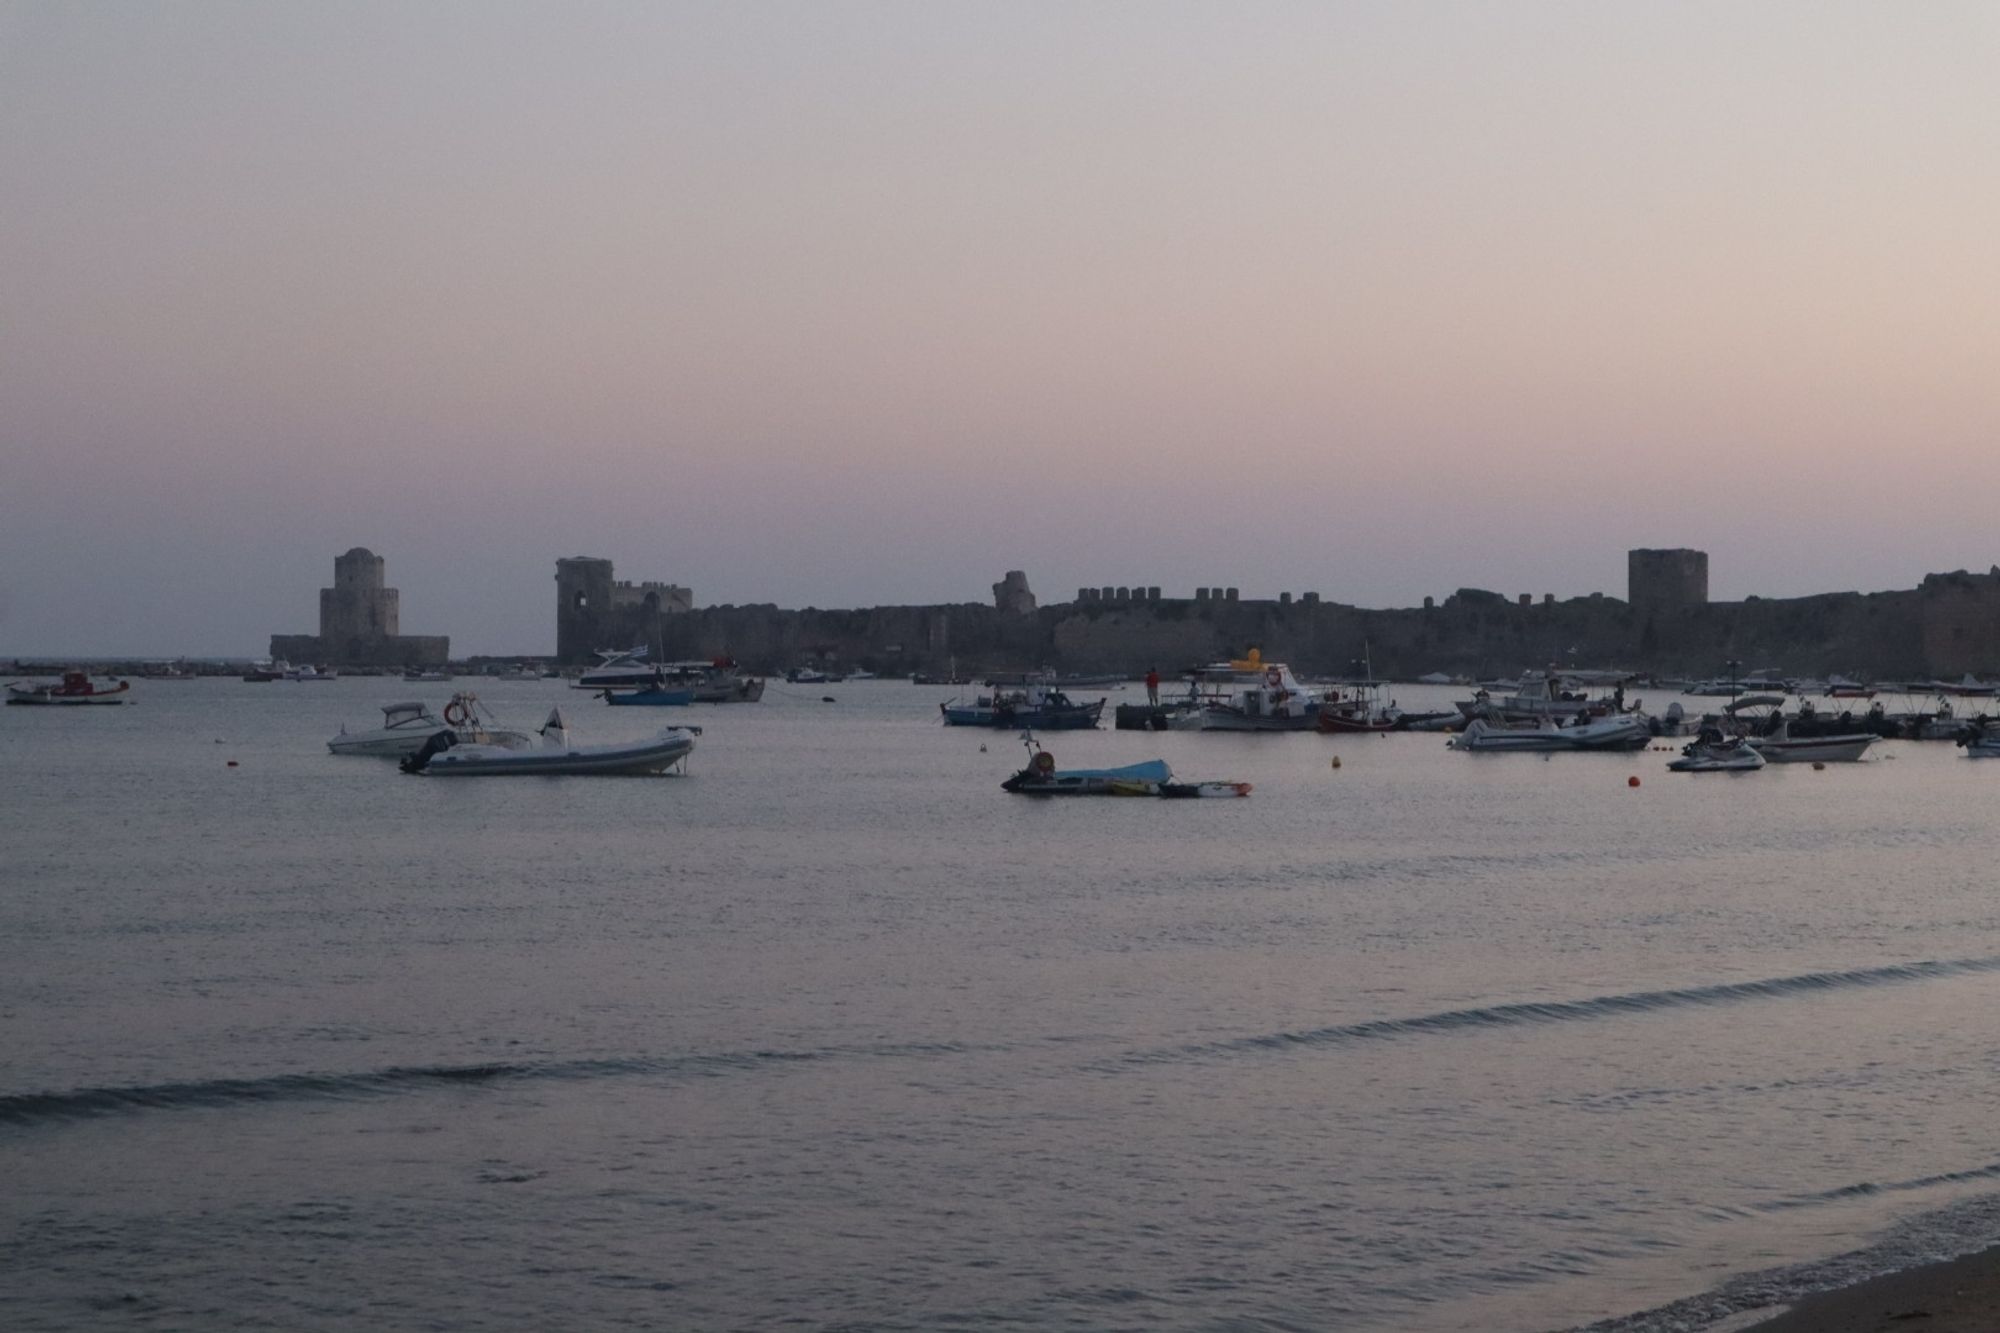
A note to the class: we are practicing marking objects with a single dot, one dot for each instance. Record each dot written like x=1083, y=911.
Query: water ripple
x=1574, y=1011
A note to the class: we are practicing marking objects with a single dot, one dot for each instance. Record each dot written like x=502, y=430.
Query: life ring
x=1043, y=763
x=1273, y=677
x=457, y=714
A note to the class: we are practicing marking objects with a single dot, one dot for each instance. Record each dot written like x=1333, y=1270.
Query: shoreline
x=1959, y=1295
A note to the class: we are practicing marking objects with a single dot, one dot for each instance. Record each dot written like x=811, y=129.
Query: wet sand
x=1957, y=1296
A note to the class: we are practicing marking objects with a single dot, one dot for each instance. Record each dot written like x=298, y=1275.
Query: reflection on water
x=829, y=1031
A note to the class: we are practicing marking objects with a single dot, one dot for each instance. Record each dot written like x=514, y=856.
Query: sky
x=844, y=304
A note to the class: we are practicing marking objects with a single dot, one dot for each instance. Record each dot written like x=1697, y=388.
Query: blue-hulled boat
x=1042, y=778
x=1036, y=707
x=1153, y=778
x=658, y=696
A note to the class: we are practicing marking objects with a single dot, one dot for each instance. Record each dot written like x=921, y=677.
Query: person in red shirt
x=1152, y=685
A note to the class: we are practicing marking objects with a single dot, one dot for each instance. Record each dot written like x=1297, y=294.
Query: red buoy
x=1632, y=781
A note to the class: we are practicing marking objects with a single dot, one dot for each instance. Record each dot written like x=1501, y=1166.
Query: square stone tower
x=358, y=606
x=1668, y=580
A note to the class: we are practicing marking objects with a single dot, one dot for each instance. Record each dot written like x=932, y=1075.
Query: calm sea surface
x=830, y=1033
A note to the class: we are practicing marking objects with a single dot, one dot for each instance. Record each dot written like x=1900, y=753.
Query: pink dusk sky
x=838, y=304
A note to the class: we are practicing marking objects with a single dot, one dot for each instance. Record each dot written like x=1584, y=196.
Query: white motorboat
x=441, y=756
x=1249, y=694
x=1710, y=753
x=615, y=670
x=407, y=726
x=1537, y=696
x=1625, y=731
x=1781, y=747
x=312, y=673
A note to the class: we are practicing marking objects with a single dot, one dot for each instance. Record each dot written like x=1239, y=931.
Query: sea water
x=830, y=1033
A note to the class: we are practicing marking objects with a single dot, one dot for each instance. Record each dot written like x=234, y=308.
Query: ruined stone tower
x=595, y=611
x=583, y=607
x=1669, y=580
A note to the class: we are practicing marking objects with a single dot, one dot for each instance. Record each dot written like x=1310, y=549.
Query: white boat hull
x=658, y=755
x=1618, y=733
x=398, y=743
x=112, y=697
x=1814, y=750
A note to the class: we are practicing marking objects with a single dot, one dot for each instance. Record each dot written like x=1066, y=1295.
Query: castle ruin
x=594, y=611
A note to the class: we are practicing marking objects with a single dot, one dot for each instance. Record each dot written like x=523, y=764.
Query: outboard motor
x=436, y=745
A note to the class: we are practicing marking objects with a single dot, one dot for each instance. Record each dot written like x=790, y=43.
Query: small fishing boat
x=442, y=756
x=75, y=688
x=426, y=675
x=1978, y=739
x=1711, y=753
x=312, y=673
x=1042, y=778
x=261, y=673
x=1537, y=696
x=1839, y=687
x=1037, y=706
x=1153, y=778
x=407, y=726
x=717, y=681
x=1779, y=746
x=1359, y=707
x=1359, y=710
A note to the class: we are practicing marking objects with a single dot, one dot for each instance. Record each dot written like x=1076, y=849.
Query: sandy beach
x=1957, y=1296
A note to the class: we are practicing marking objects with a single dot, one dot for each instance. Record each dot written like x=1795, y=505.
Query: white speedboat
x=407, y=726
x=1710, y=753
x=1781, y=747
x=441, y=756
x=1625, y=731
x=1249, y=694
x=615, y=670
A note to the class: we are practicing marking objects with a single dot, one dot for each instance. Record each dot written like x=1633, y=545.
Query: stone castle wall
x=1948, y=626
x=1945, y=629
